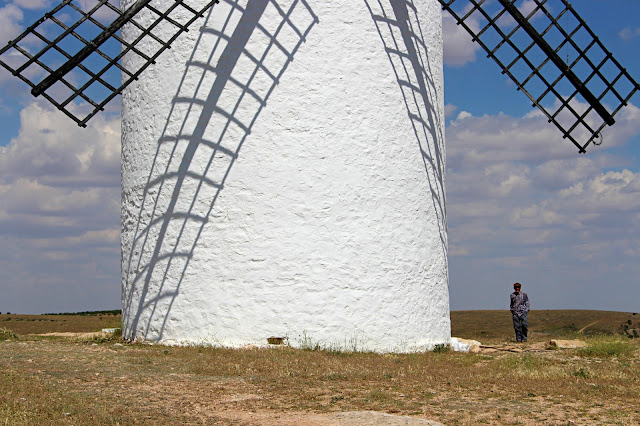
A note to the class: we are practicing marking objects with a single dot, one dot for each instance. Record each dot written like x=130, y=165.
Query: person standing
x=519, y=310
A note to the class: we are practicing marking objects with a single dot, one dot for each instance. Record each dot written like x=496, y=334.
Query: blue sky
x=523, y=205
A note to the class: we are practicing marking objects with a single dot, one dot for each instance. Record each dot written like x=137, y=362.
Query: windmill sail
x=73, y=56
x=552, y=56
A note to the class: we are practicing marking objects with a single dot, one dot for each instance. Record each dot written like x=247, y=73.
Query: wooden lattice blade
x=529, y=40
x=73, y=57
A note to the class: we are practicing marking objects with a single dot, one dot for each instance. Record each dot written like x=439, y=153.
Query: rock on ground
x=567, y=344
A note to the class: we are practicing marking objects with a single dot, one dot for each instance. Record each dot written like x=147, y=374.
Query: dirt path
x=587, y=326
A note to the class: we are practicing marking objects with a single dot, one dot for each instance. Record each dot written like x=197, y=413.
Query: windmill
x=329, y=225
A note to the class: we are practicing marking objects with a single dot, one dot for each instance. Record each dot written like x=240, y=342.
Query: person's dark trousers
x=520, y=326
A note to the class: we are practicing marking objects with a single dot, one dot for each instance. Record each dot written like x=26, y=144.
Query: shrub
x=441, y=348
x=6, y=334
x=629, y=331
x=582, y=373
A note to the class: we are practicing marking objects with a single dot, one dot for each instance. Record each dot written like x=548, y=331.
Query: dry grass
x=606, y=347
x=56, y=381
x=496, y=326
x=32, y=324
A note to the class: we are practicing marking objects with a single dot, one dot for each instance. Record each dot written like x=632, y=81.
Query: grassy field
x=33, y=324
x=56, y=380
x=496, y=326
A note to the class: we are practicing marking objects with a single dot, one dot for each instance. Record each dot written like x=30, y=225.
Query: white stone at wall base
x=464, y=345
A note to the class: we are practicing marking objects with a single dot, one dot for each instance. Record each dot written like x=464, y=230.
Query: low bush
x=6, y=334
x=441, y=348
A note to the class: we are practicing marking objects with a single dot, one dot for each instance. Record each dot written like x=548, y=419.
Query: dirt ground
x=67, y=381
x=58, y=370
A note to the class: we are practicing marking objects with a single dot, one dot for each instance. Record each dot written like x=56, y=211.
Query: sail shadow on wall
x=402, y=35
x=226, y=83
x=554, y=58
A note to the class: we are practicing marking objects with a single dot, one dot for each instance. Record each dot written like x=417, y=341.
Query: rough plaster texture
x=283, y=175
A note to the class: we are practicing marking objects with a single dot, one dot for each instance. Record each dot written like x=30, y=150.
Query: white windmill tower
x=283, y=175
x=283, y=164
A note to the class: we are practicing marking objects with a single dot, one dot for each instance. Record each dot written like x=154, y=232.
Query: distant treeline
x=113, y=312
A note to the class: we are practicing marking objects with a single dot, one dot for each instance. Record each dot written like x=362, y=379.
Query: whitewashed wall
x=296, y=194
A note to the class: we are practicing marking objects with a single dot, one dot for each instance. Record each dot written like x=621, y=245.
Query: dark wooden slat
x=86, y=51
x=558, y=62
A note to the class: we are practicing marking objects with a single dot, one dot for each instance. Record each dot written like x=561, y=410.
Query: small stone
x=276, y=340
x=567, y=344
x=465, y=345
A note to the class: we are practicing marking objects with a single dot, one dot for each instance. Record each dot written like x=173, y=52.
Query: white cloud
x=10, y=18
x=536, y=216
x=59, y=212
x=459, y=49
x=628, y=33
x=492, y=139
x=51, y=149
x=449, y=110
x=33, y=4
x=562, y=173
x=528, y=6
x=463, y=114
x=523, y=205
x=104, y=13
